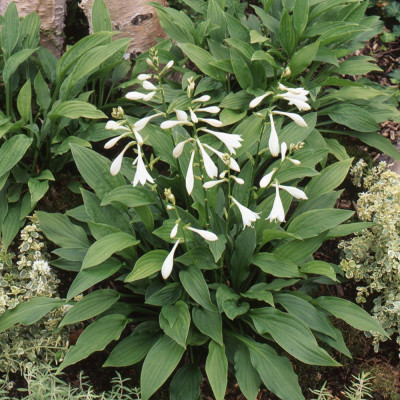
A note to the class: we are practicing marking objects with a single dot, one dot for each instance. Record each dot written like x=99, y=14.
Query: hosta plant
x=46, y=104
x=208, y=239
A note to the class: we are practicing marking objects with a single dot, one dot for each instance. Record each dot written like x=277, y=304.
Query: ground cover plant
x=193, y=248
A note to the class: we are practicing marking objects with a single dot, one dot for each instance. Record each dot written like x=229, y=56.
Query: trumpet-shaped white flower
x=117, y=163
x=277, y=211
x=273, y=142
x=172, y=123
x=115, y=126
x=193, y=116
x=283, y=150
x=295, y=192
x=266, y=179
x=295, y=96
x=169, y=64
x=226, y=159
x=112, y=142
x=230, y=140
x=179, y=148
x=210, y=184
x=207, y=235
x=135, y=96
x=210, y=110
x=190, y=175
x=240, y=181
x=141, y=174
x=174, y=231
x=168, y=263
x=149, y=96
x=202, y=99
x=181, y=115
x=139, y=125
x=248, y=216
x=257, y=100
x=148, y=85
x=210, y=167
x=144, y=77
x=295, y=117
x=298, y=91
x=293, y=161
x=210, y=121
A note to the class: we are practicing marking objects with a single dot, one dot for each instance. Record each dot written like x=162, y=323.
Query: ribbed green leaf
x=75, y=109
x=217, y=369
x=101, y=20
x=12, y=151
x=147, y=265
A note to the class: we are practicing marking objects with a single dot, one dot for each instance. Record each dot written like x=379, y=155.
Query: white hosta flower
x=231, y=163
x=138, y=137
x=210, y=236
x=141, y=175
x=283, y=150
x=135, y=96
x=139, y=125
x=273, y=142
x=277, y=212
x=298, y=91
x=193, y=116
x=189, y=175
x=169, y=64
x=174, y=231
x=115, y=126
x=148, y=85
x=230, y=140
x=295, y=192
x=181, y=115
x=117, y=163
x=202, y=99
x=179, y=148
x=248, y=216
x=210, y=184
x=168, y=263
x=297, y=101
x=210, y=110
x=256, y=101
x=210, y=167
x=295, y=117
x=149, y=96
x=266, y=179
x=210, y=121
x=172, y=123
x=144, y=77
x=112, y=142
x=293, y=161
x=240, y=181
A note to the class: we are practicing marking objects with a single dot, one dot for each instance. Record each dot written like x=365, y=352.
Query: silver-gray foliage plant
x=372, y=257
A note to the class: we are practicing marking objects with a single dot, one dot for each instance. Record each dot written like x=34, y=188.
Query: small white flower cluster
x=31, y=276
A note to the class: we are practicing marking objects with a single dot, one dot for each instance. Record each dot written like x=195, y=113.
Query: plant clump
x=372, y=257
x=29, y=277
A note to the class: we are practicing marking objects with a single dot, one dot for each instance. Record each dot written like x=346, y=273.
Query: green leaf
x=303, y=58
x=42, y=90
x=319, y=268
x=276, y=265
x=195, y=285
x=29, y=312
x=312, y=223
x=354, y=117
x=95, y=338
x=11, y=65
x=75, y=109
x=129, y=196
x=24, y=101
x=95, y=170
x=247, y=376
x=209, y=323
x=91, y=305
x=133, y=348
x=12, y=151
x=348, y=229
x=349, y=312
x=330, y=178
x=10, y=27
x=175, y=321
x=159, y=294
x=158, y=365
x=359, y=65
x=241, y=70
x=203, y=60
x=101, y=20
x=292, y=335
x=286, y=34
x=217, y=369
x=186, y=383
x=300, y=16
x=60, y=230
x=106, y=246
x=88, y=278
x=147, y=265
